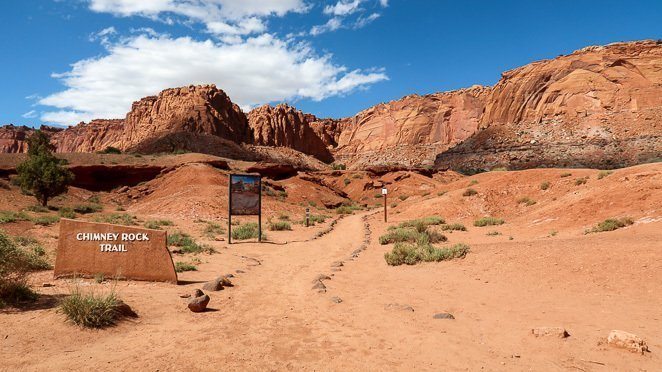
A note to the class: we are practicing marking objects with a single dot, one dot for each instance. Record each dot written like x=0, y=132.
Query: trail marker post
x=384, y=193
x=307, y=217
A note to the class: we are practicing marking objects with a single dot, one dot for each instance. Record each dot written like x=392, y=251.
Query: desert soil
x=273, y=319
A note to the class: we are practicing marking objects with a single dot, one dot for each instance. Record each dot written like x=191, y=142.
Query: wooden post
x=259, y=216
x=229, y=209
x=307, y=217
x=384, y=194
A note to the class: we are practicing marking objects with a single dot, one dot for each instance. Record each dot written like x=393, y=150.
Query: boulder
x=626, y=340
x=559, y=332
x=199, y=302
x=217, y=284
x=443, y=316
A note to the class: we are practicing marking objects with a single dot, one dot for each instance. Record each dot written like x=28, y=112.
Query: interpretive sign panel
x=244, y=194
x=87, y=249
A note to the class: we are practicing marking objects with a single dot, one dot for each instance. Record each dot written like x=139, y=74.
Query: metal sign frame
x=259, y=214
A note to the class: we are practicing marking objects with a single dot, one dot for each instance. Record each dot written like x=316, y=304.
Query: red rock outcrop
x=285, y=126
x=597, y=107
x=12, y=138
x=94, y=136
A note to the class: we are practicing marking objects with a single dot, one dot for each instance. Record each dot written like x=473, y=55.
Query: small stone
x=125, y=310
x=336, y=299
x=46, y=285
x=198, y=304
x=185, y=295
x=321, y=277
x=400, y=307
x=559, y=332
x=320, y=287
x=217, y=284
x=627, y=341
x=443, y=316
x=198, y=293
x=337, y=264
x=239, y=271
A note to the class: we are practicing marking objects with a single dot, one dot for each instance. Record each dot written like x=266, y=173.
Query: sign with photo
x=245, y=194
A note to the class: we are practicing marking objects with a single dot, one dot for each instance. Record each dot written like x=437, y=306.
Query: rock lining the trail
x=199, y=302
x=443, y=316
x=559, y=332
x=628, y=341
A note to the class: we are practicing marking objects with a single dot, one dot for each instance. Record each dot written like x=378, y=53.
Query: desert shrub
x=282, y=194
x=357, y=176
x=45, y=220
x=34, y=253
x=566, y=174
x=110, y=150
x=421, y=224
x=338, y=166
x=544, y=185
x=87, y=208
x=347, y=181
x=280, y=226
x=94, y=199
x=312, y=203
x=393, y=205
x=469, y=192
x=453, y=227
x=284, y=217
x=187, y=244
x=493, y=233
x=425, y=194
x=400, y=234
x=15, y=263
x=99, y=277
x=180, y=267
x=581, y=181
x=66, y=212
x=488, y=221
x=473, y=182
x=42, y=174
x=604, y=173
x=410, y=254
x=246, y=231
x=120, y=208
x=37, y=209
x=526, y=201
x=315, y=218
x=611, y=224
x=92, y=310
x=553, y=233
x=157, y=224
x=432, y=236
x=11, y=216
x=117, y=219
x=379, y=195
x=441, y=193
x=403, y=197
x=213, y=229
x=347, y=209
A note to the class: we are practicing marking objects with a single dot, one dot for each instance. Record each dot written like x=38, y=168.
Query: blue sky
x=67, y=61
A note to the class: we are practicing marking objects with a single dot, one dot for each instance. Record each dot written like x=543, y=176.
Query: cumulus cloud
x=347, y=14
x=342, y=7
x=254, y=71
x=221, y=17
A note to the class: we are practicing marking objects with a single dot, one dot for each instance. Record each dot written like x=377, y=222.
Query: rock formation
x=597, y=107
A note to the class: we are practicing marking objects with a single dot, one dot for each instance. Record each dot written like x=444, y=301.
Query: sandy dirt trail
x=274, y=320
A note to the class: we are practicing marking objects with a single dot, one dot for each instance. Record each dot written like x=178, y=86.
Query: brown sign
x=244, y=194
x=86, y=249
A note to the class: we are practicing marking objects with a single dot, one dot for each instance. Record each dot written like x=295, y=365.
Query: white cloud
x=30, y=114
x=253, y=71
x=222, y=17
x=342, y=7
x=363, y=21
x=383, y=3
x=331, y=25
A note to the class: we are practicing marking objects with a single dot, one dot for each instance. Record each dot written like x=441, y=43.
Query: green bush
x=347, y=209
x=493, y=233
x=441, y=193
x=284, y=217
x=180, y=267
x=315, y=218
x=469, y=192
x=15, y=263
x=280, y=226
x=45, y=220
x=604, y=173
x=157, y=224
x=409, y=254
x=421, y=224
x=87, y=208
x=399, y=234
x=66, y=212
x=379, y=195
x=37, y=209
x=526, y=201
x=117, y=219
x=488, y=221
x=186, y=243
x=473, y=182
x=453, y=227
x=91, y=310
x=544, y=185
x=612, y=224
x=213, y=229
x=110, y=150
x=403, y=197
x=581, y=181
x=246, y=231
x=42, y=174
x=347, y=181
x=338, y=166
x=11, y=216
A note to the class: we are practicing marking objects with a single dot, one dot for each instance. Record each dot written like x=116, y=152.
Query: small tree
x=42, y=174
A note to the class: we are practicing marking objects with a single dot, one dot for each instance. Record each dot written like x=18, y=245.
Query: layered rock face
x=89, y=137
x=598, y=107
x=285, y=126
x=412, y=130
x=12, y=138
x=194, y=109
